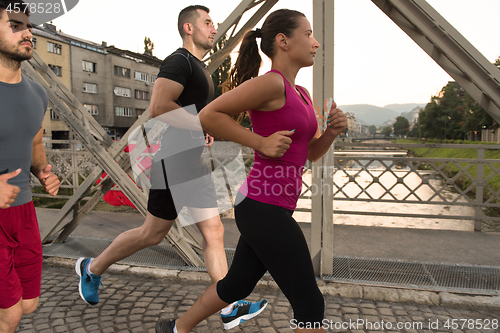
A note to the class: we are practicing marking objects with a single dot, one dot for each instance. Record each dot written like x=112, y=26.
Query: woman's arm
x=320, y=143
x=265, y=93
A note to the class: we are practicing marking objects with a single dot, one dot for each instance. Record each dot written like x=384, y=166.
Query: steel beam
x=449, y=49
x=322, y=199
x=232, y=21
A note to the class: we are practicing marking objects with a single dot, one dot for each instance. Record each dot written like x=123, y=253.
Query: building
x=55, y=51
x=114, y=85
x=351, y=123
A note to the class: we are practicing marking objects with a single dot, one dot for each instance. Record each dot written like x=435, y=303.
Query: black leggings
x=272, y=240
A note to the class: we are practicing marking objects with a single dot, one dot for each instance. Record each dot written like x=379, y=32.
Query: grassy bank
x=452, y=169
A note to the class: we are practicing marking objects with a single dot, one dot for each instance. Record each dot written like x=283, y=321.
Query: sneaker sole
x=237, y=321
x=78, y=269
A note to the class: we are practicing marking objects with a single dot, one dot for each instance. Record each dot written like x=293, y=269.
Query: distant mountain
x=402, y=108
x=374, y=115
x=413, y=114
x=370, y=114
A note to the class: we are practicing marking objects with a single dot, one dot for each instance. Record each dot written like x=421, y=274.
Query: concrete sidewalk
x=436, y=246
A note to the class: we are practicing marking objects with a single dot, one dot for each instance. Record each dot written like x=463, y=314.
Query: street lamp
x=445, y=118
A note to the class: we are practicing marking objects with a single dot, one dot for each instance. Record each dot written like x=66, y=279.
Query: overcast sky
x=375, y=61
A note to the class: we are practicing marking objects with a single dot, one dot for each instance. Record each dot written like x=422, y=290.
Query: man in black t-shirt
x=183, y=85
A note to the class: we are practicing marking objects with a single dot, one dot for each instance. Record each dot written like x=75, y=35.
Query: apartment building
x=114, y=85
x=351, y=122
x=55, y=51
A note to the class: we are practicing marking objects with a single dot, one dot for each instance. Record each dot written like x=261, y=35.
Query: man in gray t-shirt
x=22, y=107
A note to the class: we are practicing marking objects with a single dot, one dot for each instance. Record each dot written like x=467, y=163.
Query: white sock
x=88, y=266
x=228, y=309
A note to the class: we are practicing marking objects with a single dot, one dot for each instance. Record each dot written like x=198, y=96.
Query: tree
x=452, y=115
x=372, y=129
x=387, y=131
x=148, y=46
x=497, y=62
x=414, y=131
x=401, y=126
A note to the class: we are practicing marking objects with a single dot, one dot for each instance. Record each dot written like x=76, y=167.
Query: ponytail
x=247, y=66
x=248, y=63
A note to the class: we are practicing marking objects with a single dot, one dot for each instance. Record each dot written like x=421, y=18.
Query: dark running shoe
x=242, y=311
x=165, y=326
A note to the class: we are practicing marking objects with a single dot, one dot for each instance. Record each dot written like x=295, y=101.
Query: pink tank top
x=278, y=181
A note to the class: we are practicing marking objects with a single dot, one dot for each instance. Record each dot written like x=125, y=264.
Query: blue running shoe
x=89, y=283
x=243, y=311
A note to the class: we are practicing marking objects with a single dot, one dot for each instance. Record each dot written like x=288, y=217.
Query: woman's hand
x=337, y=120
x=276, y=144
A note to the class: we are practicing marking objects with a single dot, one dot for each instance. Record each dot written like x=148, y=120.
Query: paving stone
x=132, y=303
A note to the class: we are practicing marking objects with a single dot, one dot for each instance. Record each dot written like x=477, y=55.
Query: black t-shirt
x=184, y=68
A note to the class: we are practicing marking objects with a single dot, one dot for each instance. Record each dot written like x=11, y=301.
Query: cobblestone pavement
x=131, y=303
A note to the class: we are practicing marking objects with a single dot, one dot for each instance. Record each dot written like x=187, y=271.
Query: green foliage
x=372, y=129
x=387, y=131
x=148, y=46
x=401, y=126
x=497, y=62
x=453, y=115
x=453, y=170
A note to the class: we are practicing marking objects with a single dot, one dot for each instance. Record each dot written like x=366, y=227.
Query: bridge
x=441, y=41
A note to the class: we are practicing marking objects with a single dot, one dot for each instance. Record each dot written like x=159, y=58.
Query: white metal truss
x=449, y=49
x=322, y=201
x=232, y=21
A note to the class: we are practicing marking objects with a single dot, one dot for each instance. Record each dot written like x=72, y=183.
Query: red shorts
x=21, y=255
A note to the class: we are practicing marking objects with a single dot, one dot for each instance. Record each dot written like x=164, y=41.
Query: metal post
x=479, y=189
x=322, y=201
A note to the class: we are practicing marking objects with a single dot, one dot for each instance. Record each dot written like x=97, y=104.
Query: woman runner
x=285, y=134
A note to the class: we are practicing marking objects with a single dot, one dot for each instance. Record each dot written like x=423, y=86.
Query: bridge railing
x=362, y=172
x=385, y=173
x=70, y=162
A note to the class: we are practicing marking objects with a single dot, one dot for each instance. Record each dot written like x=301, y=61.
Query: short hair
x=189, y=15
x=4, y=4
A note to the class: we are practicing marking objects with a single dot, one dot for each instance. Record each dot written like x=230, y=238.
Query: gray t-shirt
x=22, y=108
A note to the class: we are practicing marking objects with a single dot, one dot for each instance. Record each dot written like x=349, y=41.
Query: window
x=53, y=114
x=139, y=112
x=139, y=94
x=54, y=48
x=120, y=71
x=88, y=66
x=123, y=92
x=124, y=112
x=141, y=76
x=90, y=88
x=92, y=109
x=153, y=78
x=56, y=69
x=33, y=42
